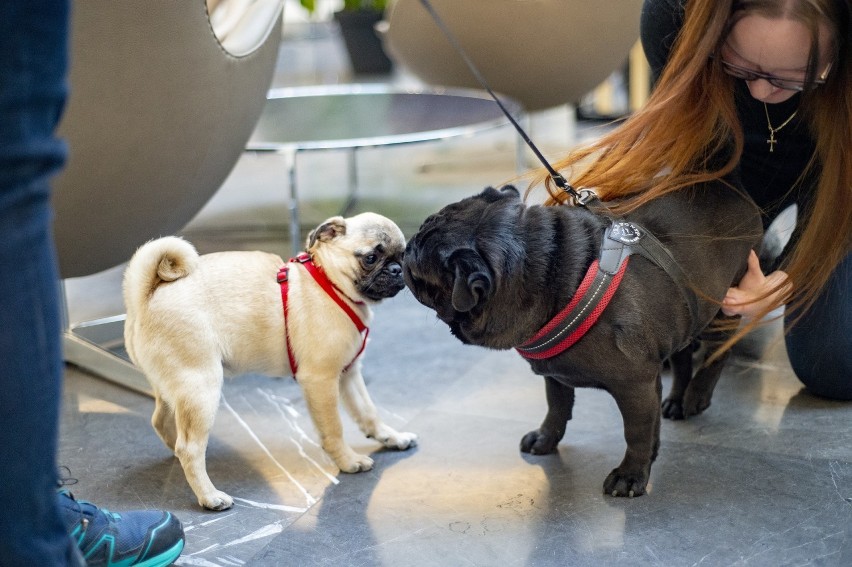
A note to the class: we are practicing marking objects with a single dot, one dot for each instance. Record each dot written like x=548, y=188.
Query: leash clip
x=584, y=197
x=579, y=198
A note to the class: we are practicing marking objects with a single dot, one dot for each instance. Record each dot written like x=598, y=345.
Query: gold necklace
x=772, y=141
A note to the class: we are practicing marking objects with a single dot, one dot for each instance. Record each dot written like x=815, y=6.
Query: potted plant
x=357, y=21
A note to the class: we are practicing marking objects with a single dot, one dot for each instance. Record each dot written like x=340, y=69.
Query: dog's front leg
x=322, y=398
x=360, y=406
x=560, y=406
x=639, y=403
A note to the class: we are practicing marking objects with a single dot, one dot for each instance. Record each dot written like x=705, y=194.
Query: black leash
x=580, y=197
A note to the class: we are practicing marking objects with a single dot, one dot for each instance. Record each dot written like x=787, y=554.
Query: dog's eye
x=370, y=259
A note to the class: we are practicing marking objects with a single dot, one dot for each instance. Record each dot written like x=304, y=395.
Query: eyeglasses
x=781, y=83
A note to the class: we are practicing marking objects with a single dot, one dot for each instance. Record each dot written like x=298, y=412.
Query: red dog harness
x=333, y=292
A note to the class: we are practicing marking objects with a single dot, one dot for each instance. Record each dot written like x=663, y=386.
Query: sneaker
x=140, y=538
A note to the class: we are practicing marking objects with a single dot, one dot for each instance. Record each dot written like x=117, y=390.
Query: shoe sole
x=166, y=558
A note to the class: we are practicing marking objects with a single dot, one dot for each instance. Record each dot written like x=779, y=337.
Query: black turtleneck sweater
x=767, y=176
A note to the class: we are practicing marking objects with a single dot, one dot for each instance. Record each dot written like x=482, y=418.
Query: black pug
x=501, y=273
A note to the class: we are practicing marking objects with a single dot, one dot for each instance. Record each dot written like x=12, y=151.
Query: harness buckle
x=283, y=274
x=301, y=257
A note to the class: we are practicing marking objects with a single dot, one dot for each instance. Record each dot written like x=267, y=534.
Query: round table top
x=353, y=116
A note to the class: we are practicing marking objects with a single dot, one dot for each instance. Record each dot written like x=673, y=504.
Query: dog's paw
x=694, y=403
x=216, y=500
x=673, y=408
x=393, y=439
x=398, y=440
x=353, y=462
x=619, y=483
x=539, y=442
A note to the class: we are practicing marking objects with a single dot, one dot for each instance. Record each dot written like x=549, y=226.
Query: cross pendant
x=771, y=141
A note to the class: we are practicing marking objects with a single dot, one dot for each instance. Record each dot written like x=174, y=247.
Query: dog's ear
x=329, y=230
x=472, y=280
x=491, y=195
x=510, y=190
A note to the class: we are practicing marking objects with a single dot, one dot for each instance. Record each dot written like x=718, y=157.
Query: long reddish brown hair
x=690, y=117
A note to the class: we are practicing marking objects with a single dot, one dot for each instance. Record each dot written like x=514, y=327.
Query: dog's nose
x=395, y=269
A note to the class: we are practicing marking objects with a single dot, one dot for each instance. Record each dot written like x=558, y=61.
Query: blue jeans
x=820, y=344
x=33, y=62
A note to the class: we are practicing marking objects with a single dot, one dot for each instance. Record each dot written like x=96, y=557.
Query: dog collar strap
x=570, y=324
x=332, y=291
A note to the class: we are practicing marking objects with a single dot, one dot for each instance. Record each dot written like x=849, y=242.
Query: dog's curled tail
x=163, y=260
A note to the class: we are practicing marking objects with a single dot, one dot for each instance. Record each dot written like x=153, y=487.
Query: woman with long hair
x=759, y=91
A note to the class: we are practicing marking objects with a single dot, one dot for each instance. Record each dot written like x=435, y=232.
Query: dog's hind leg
x=681, y=365
x=691, y=395
x=700, y=390
x=560, y=406
x=195, y=411
x=163, y=421
x=357, y=401
x=639, y=402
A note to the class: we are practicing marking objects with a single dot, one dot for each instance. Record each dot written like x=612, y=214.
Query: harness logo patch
x=626, y=233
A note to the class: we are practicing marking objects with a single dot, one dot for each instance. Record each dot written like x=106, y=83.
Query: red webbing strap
x=283, y=275
x=562, y=315
x=576, y=327
x=332, y=291
x=360, y=350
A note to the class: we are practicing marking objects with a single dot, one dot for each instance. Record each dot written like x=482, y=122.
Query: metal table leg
x=295, y=226
x=352, y=180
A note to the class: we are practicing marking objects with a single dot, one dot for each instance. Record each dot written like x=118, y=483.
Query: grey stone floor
x=764, y=477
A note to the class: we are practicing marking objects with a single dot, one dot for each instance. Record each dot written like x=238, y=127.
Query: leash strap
x=555, y=175
x=332, y=291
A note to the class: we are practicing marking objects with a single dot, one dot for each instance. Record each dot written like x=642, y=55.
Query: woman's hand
x=743, y=299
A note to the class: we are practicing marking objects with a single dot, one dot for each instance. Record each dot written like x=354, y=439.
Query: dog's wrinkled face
x=361, y=254
x=458, y=259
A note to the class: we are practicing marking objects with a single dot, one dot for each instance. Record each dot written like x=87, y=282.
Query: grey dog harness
x=621, y=240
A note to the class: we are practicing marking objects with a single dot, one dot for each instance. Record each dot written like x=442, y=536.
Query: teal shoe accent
x=138, y=538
